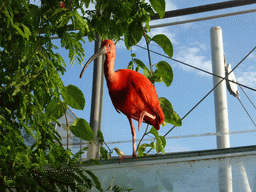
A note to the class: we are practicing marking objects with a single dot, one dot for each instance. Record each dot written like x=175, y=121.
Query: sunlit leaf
x=82, y=129
x=154, y=132
x=141, y=64
x=158, y=6
x=164, y=42
x=146, y=73
x=170, y=115
x=130, y=65
x=163, y=140
x=156, y=77
x=133, y=34
x=56, y=108
x=153, y=145
x=142, y=148
x=74, y=97
x=104, y=153
x=159, y=145
x=165, y=71
x=133, y=55
x=19, y=30
x=100, y=135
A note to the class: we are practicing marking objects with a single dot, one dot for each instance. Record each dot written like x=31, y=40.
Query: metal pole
x=221, y=109
x=93, y=149
x=220, y=94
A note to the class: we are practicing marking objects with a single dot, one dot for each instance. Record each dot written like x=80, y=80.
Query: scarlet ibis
x=131, y=92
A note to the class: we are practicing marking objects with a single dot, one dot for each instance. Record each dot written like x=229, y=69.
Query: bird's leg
x=142, y=115
x=133, y=141
x=133, y=137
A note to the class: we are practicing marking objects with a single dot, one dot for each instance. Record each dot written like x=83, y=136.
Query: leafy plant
x=31, y=87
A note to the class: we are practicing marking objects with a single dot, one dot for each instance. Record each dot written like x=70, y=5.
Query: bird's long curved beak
x=101, y=51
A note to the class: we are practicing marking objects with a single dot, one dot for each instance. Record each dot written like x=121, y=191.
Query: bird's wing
x=147, y=92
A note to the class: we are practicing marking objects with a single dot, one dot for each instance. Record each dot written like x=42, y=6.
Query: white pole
x=221, y=109
x=220, y=94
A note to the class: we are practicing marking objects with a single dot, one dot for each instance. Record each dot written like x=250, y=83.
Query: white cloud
x=252, y=56
x=165, y=31
x=170, y=5
x=193, y=56
x=248, y=78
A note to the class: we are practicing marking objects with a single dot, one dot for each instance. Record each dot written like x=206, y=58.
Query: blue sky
x=191, y=44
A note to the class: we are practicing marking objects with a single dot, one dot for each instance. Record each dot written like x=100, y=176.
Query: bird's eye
x=109, y=45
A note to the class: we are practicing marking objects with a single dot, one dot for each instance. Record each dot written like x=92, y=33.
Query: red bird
x=131, y=92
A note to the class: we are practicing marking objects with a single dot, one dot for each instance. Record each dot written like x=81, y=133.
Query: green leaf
x=95, y=179
x=133, y=55
x=56, y=108
x=158, y=6
x=159, y=145
x=141, y=64
x=100, y=135
x=27, y=31
x=165, y=71
x=154, y=132
x=82, y=129
x=140, y=152
x=130, y=65
x=74, y=97
x=153, y=145
x=104, y=153
x=133, y=34
x=146, y=73
x=164, y=42
x=170, y=115
x=19, y=30
x=156, y=77
x=163, y=140
x=142, y=148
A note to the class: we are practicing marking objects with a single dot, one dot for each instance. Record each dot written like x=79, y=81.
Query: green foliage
x=133, y=33
x=159, y=145
x=56, y=108
x=100, y=136
x=165, y=43
x=74, y=97
x=82, y=129
x=31, y=87
x=159, y=7
x=164, y=71
x=170, y=115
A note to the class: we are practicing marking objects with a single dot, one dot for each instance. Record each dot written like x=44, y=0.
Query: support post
x=221, y=109
x=96, y=104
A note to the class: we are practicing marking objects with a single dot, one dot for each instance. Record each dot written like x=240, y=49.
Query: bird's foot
x=142, y=115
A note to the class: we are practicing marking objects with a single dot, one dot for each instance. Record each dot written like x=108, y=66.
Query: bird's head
x=107, y=47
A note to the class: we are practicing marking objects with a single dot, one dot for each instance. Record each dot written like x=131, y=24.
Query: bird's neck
x=109, y=68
